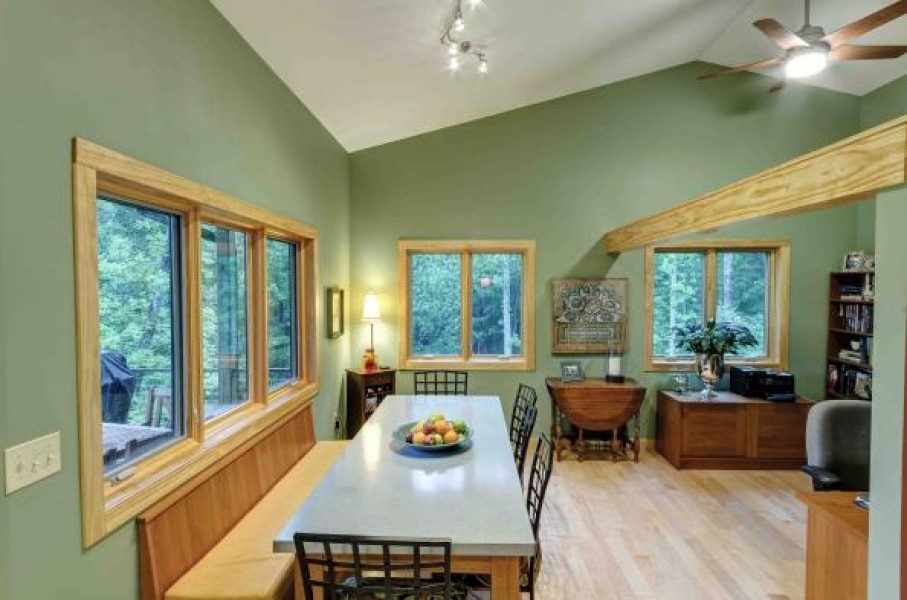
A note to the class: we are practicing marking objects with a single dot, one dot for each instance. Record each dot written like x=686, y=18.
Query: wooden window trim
x=779, y=301
x=466, y=248
x=106, y=506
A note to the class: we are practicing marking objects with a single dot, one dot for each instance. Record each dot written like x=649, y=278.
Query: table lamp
x=371, y=314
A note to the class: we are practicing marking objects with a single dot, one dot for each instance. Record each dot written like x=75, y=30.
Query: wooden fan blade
x=847, y=52
x=866, y=24
x=759, y=64
x=780, y=34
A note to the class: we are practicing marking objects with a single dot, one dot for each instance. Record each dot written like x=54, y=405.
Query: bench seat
x=243, y=566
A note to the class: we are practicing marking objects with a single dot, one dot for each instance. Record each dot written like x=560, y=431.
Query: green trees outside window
x=282, y=322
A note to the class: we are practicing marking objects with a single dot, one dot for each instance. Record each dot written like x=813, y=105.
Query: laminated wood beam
x=852, y=169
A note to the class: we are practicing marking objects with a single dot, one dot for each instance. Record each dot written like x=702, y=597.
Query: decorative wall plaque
x=590, y=316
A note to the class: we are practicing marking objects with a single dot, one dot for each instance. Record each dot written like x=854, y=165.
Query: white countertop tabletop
x=377, y=488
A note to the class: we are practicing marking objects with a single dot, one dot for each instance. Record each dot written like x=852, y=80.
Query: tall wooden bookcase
x=851, y=312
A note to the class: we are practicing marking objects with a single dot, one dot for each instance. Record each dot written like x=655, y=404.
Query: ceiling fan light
x=806, y=63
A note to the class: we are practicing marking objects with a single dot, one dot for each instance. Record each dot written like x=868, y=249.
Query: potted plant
x=709, y=343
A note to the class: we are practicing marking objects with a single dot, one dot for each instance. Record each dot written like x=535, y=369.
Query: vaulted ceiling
x=374, y=72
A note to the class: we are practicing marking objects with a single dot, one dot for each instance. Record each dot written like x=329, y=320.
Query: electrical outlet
x=32, y=461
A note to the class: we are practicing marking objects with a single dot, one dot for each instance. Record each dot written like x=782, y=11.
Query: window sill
x=679, y=365
x=474, y=364
x=165, y=471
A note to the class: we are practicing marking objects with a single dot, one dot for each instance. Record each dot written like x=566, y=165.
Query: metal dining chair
x=521, y=424
x=539, y=476
x=440, y=383
x=350, y=566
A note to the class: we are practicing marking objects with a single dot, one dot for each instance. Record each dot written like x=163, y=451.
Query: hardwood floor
x=646, y=531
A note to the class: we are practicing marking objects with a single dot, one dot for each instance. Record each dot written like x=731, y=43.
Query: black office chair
x=349, y=566
x=522, y=421
x=440, y=383
x=838, y=445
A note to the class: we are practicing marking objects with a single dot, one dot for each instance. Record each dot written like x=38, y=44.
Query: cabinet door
x=777, y=430
x=713, y=430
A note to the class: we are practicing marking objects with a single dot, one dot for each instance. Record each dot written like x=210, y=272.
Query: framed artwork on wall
x=589, y=316
x=334, y=312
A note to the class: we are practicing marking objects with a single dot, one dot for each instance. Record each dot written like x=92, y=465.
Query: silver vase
x=710, y=368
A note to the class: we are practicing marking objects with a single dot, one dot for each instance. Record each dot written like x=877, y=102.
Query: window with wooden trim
x=195, y=319
x=740, y=281
x=467, y=304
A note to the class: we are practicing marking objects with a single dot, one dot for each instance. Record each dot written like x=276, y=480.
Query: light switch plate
x=32, y=461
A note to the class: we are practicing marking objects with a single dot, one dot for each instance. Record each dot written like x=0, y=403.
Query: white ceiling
x=374, y=72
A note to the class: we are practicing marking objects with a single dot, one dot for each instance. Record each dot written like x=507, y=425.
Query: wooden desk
x=836, y=538
x=472, y=495
x=731, y=432
x=598, y=406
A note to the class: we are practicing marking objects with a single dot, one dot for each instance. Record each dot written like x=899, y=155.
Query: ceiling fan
x=809, y=50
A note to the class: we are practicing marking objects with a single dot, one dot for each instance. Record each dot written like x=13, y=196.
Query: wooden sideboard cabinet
x=730, y=432
x=364, y=392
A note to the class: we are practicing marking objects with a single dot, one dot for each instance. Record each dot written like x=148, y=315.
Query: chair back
x=440, y=383
x=521, y=424
x=539, y=475
x=520, y=439
x=349, y=566
x=838, y=440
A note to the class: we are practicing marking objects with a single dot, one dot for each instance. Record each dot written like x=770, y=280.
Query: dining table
x=382, y=487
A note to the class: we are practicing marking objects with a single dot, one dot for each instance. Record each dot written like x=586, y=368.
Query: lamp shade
x=371, y=308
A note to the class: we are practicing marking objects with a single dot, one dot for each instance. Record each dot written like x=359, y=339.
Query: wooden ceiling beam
x=852, y=169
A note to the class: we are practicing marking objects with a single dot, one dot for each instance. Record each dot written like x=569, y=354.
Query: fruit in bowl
x=436, y=430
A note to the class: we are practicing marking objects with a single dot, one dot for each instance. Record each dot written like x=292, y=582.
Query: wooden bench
x=211, y=539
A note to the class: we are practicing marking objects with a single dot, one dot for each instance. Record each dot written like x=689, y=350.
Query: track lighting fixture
x=458, y=48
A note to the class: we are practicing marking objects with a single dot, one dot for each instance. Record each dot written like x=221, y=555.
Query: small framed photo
x=854, y=260
x=334, y=312
x=571, y=370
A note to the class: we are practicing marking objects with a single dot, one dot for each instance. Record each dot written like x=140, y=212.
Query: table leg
x=580, y=447
x=616, y=444
x=556, y=433
x=505, y=578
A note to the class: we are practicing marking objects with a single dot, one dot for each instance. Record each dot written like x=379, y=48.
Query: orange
x=451, y=436
x=441, y=426
x=419, y=438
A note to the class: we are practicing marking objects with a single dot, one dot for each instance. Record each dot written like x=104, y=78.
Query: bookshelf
x=851, y=312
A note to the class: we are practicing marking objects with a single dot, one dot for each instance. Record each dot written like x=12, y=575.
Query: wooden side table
x=364, y=392
x=595, y=405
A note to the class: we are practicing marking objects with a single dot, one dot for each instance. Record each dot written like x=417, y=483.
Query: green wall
x=888, y=378
x=566, y=171
x=171, y=83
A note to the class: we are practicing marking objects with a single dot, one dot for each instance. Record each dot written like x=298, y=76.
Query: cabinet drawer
x=382, y=379
x=777, y=431
x=713, y=430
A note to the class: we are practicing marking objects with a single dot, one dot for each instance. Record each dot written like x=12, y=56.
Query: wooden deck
x=646, y=531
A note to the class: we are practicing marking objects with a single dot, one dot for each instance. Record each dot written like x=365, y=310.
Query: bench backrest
x=178, y=531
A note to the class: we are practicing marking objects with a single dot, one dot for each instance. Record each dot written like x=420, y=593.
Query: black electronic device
x=769, y=384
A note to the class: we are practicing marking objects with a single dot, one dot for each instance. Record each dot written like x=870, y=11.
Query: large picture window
x=740, y=281
x=467, y=304
x=195, y=320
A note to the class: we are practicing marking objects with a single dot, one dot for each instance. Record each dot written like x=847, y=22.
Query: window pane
x=743, y=295
x=497, y=318
x=224, y=319
x=281, y=313
x=435, y=304
x=678, y=297
x=139, y=304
